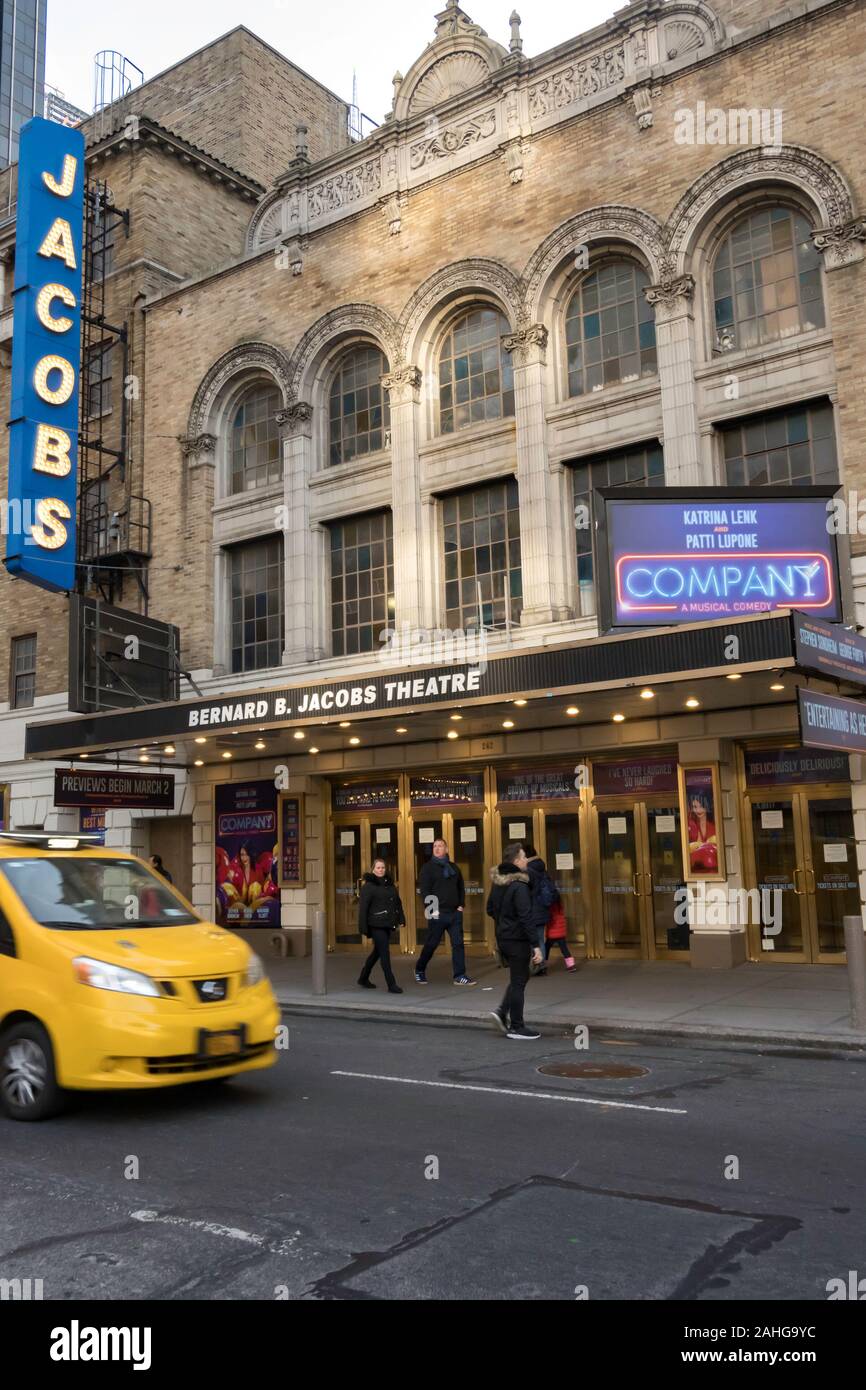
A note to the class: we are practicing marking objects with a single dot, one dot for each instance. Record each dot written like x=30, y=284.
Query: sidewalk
x=805, y=1005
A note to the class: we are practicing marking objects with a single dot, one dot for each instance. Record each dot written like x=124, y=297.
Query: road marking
x=212, y=1228
x=503, y=1091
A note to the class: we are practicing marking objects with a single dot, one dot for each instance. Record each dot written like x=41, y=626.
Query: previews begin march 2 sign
x=714, y=554
x=151, y=791
x=46, y=356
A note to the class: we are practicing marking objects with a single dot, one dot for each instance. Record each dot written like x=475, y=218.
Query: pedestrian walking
x=156, y=861
x=518, y=940
x=557, y=935
x=380, y=913
x=443, y=894
x=544, y=894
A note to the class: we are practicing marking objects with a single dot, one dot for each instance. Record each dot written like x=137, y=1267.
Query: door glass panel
x=383, y=845
x=347, y=871
x=562, y=837
x=666, y=873
x=775, y=863
x=620, y=905
x=515, y=826
x=424, y=832
x=834, y=860
x=468, y=854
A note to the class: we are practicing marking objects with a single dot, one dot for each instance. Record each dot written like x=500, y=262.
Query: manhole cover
x=607, y=1071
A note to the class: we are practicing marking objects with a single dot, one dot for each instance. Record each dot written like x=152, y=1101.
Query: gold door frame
x=363, y=818
x=799, y=795
x=642, y=878
x=534, y=815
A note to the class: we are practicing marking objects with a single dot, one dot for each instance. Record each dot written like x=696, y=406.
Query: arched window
x=476, y=378
x=359, y=412
x=610, y=329
x=255, y=442
x=767, y=280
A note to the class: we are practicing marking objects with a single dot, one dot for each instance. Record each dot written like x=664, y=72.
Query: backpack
x=547, y=893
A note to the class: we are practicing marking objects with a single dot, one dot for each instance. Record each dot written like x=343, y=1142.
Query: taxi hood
x=165, y=953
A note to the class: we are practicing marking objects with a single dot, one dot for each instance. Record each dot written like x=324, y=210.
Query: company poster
x=716, y=557
x=291, y=841
x=247, y=855
x=700, y=815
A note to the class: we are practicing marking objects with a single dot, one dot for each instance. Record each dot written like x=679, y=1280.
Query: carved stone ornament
x=577, y=82
x=513, y=156
x=403, y=384
x=341, y=190
x=441, y=142
x=260, y=358
x=642, y=100
x=670, y=294
x=527, y=343
x=393, y=210
x=200, y=448
x=296, y=419
x=842, y=244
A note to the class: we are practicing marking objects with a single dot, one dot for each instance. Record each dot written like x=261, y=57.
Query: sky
x=328, y=39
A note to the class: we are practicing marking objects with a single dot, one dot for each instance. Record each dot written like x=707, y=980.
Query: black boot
x=365, y=983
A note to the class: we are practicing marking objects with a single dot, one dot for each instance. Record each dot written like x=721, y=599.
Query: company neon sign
x=46, y=356
x=664, y=583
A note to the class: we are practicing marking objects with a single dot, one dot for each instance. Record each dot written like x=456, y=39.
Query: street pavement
x=397, y=1161
x=802, y=1004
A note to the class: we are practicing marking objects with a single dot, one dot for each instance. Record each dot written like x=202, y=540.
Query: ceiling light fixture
x=692, y=703
x=572, y=711
x=354, y=742
x=618, y=718
x=777, y=686
x=508, y=723
x=647, y=694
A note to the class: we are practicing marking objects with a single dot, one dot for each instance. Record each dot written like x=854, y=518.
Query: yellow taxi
x=109, y=980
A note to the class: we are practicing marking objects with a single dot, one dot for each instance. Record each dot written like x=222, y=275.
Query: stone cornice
x=143, y=132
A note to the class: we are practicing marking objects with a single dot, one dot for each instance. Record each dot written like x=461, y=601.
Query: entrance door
x=640, y=857
x=355, y=842
x=556, y=834
x=464, y=832
x=804, y=863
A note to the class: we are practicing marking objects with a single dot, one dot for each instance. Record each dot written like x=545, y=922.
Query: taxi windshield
x=75, y=893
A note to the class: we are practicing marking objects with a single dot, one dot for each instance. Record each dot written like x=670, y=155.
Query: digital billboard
x=668, y=556
x=46, y=356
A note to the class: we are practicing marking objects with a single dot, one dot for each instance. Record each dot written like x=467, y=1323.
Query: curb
x=552, y=1027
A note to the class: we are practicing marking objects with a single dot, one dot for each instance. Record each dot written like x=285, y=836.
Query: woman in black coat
x=380, y=913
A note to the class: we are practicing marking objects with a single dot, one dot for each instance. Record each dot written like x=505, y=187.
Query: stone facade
x=497, y=180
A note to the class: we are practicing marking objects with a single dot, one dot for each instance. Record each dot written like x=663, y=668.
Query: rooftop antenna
x=355, y=132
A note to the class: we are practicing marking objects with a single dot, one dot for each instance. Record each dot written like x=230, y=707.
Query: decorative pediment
x=460, y=57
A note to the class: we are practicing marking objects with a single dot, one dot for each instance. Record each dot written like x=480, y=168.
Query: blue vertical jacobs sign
x=46, y=356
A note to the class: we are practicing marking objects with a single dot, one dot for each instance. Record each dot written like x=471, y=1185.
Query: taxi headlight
x=100, y=975
x=255, y=971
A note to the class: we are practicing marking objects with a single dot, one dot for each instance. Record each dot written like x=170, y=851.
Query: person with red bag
x=557, y=935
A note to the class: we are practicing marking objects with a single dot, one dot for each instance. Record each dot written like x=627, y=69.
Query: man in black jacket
x=443, y=894
x=510, y=906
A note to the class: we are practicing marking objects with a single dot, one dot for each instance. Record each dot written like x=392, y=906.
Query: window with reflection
x=476, y=376
x=610, y=329
x=788, y=447
x=359, y=416
x=767, y=280
x=257, y=604
x=642, y=465
x=255, y=441
x=483, y=579
x=362, y=583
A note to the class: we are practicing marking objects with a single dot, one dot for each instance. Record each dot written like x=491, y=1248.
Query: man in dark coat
x=518, y=940
x=443, y=894
x=542, y=891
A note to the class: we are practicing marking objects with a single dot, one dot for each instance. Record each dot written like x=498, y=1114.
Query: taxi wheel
x=28, y=1081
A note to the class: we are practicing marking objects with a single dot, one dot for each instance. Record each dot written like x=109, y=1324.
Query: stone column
x=673, y=301
x=197, y=503
x=545, y=593
x=414, y=541
x=301, y=573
